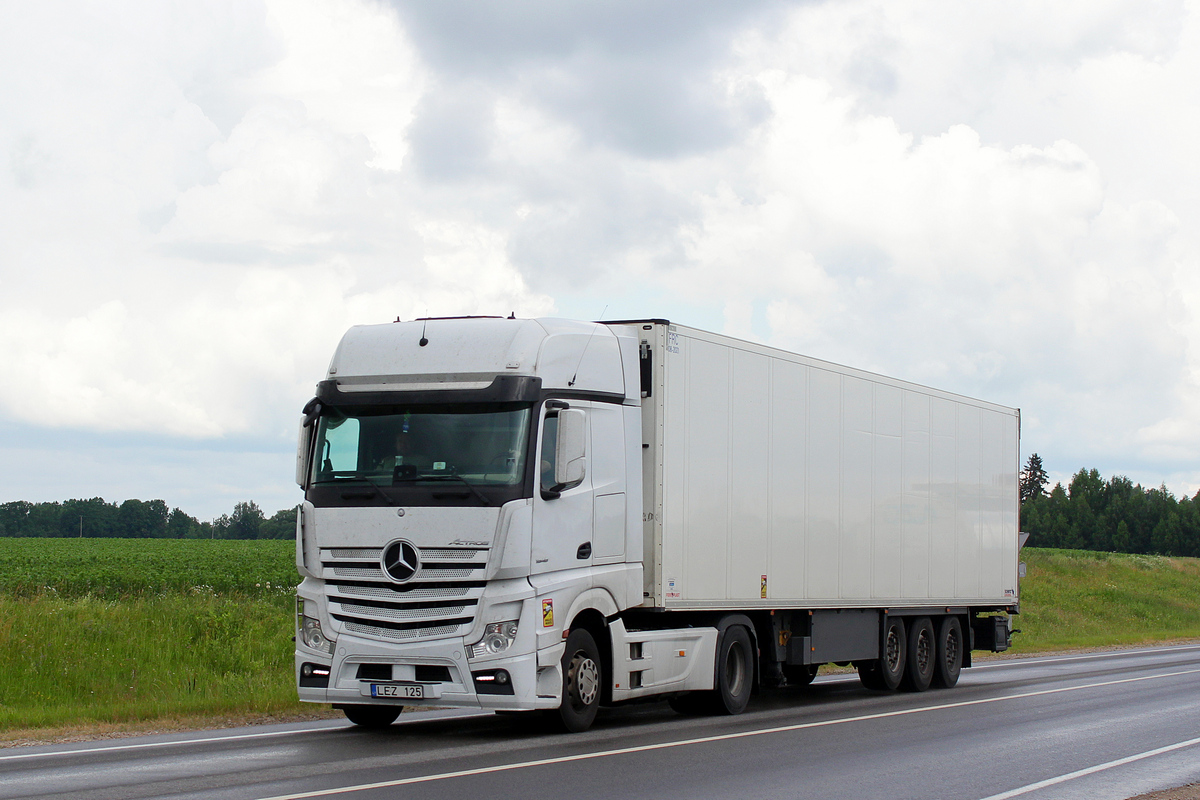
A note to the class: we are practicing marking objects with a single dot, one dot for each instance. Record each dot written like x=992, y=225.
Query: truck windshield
x=471, y=445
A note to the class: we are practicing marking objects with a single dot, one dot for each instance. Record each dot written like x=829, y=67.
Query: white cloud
x=202, y=278
x=353, y=67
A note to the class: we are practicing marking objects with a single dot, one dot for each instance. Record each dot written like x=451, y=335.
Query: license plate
x=398, y=691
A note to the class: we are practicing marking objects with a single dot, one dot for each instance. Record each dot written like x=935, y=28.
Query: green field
x=119, y=630
x=120, y=569
x=98, y=631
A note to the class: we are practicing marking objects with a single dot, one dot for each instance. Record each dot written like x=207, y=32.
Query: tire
x=734, y=679
x=921, y=658
x=800, y=675
x=884, y=674
x=949, y=653
x=735, y=671
x=372, y=716
x=583, y=680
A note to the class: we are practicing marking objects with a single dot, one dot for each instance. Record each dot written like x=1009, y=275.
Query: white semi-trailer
x=523, y=514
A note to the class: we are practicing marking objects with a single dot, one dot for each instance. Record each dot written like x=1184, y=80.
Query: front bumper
x=439, y=666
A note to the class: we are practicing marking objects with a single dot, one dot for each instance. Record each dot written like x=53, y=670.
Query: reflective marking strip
x=1033, y=787
x=706, y=739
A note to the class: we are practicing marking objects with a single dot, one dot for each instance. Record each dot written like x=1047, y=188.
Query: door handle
x=584, y=551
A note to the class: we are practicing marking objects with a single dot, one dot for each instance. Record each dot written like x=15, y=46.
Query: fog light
x=314, y=676
x=494, y=681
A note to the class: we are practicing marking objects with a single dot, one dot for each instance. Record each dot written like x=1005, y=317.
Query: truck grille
x=440, y=600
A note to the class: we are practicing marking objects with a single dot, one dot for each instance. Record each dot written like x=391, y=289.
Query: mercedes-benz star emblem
x=401, y=560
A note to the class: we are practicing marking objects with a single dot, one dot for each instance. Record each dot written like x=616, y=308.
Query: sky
x=197, y=199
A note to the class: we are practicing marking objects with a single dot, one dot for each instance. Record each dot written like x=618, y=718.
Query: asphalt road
x=1101, y=726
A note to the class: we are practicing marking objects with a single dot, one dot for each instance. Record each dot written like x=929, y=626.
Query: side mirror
x=570, y=449
x=303, y=448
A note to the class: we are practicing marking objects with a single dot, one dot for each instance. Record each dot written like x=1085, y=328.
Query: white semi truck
x=541, y=514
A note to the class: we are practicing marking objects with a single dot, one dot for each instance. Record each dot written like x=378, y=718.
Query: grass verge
x=1073, y=599
x=75, y=660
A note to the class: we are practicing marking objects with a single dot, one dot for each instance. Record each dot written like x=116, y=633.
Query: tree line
x=139, y=519
x=1090, y=513
x=1114, y=515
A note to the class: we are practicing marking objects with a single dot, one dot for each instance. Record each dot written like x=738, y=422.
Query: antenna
x=424, y=324
x=585, y=347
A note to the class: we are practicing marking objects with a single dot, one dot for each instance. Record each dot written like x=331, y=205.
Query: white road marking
x=236, y=737
x=1021, y=662
x=143, y=745
x=717, y=738
x=1012, y=662
x=1070, y=776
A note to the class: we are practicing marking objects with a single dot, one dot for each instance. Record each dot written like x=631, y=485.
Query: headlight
x=312, y=635
x=497, y=637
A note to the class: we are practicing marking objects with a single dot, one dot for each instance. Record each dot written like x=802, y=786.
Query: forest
x=1090, y=513
x=1114, y=515
x=139, y=519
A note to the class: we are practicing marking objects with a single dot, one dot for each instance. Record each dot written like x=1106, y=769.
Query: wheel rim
x=924, y=652
x=951, y=650
x=893, y=650
x=735, y=670
x=585, y=679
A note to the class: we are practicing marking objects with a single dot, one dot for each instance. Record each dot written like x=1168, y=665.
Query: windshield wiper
x=482, y=497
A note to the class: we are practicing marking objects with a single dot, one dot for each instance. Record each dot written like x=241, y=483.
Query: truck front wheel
x=582, y=680
x=372, y=716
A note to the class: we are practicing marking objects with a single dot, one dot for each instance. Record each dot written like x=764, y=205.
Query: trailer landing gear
x=800, y=674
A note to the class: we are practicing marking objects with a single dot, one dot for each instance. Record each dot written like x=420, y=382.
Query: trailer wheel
x=949, y=653
x=735, y=677
x=884, y=674
x=372, y=716
x=922, y=656
x=582, y=681
x=800, y=674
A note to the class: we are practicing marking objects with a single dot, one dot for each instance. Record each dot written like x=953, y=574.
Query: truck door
x=562, y=516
